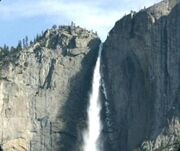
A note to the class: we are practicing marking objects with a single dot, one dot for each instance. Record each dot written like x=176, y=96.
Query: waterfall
x=93, y=131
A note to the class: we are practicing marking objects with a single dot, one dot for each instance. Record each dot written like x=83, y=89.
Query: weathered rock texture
x=44, y=89
x=141, y=72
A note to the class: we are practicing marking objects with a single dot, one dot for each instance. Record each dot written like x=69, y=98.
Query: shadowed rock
x=141, y=71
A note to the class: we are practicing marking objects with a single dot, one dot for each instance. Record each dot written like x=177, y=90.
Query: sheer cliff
x=141, y=74
x=44, y=89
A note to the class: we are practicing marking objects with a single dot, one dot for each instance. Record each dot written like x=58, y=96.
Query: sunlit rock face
x=44, y=91
x=141, y=73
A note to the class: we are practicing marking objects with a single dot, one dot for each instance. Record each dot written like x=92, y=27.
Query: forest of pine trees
x=22, y=44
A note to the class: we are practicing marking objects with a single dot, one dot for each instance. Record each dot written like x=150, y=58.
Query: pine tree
x=12, y=49
x=31, y=43
x=23, y=43
x=26, y=41
x=19, y=46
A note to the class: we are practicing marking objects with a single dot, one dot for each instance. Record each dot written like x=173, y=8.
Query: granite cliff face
x=141, y=74
x=44, y=88
x=44, y=91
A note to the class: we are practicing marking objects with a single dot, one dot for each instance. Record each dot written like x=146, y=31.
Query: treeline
x=25, y=43
x=22, y=44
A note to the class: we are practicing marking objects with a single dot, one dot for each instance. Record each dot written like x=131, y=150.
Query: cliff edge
x=141, y=74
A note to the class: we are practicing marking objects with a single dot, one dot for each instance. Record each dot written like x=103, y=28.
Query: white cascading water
x=92, y=134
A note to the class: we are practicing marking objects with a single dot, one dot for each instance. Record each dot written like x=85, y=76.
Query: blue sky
x=29, y=17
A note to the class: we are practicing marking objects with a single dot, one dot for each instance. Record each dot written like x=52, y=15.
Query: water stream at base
x=92, y=134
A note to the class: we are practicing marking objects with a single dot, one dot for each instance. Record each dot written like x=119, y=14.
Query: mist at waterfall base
x=93, y=131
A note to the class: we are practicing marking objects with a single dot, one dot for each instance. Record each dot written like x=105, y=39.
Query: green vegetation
x=10, y=54
x=22, y=44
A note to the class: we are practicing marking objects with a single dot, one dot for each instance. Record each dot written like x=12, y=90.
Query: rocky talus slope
x=141, y=74
x=44, y=89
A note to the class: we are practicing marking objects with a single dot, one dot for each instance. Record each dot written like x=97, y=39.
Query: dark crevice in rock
x=132, y=32
x=48, y=80
x=72, y=43
x=64, y=52
x=53, y=41
x=74, y=55
x=167, y=86
x=38, y=53
x=178, y=149
x=5, y=79
x=67, y=134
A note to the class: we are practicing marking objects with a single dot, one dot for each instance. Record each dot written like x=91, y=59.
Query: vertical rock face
x=44, y=89
x=141, y=74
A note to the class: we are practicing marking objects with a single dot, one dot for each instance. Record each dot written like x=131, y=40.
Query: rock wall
x=141, y=74
x=44, y=91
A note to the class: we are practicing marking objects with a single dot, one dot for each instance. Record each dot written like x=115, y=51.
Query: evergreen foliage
x=22, y=44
